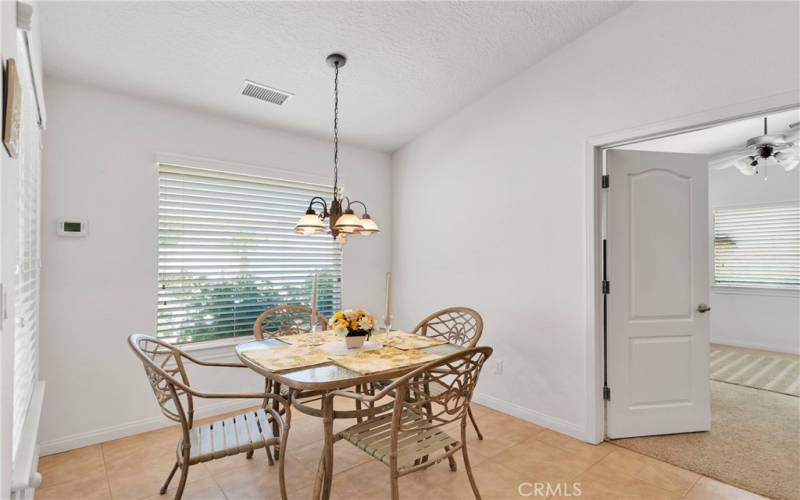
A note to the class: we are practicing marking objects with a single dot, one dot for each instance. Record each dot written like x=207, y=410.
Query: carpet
x=754, y=442
x=760, y=369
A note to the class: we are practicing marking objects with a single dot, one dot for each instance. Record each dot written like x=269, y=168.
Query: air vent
x=265, y=93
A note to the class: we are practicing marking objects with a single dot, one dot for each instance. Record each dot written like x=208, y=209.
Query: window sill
x=754, y=290
x=215, y=349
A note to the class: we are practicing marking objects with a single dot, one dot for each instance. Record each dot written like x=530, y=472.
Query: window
x=227, y=250
x=757, y=246
x=26, y=293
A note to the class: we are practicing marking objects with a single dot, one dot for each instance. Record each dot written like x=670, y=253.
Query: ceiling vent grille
x=264, y=93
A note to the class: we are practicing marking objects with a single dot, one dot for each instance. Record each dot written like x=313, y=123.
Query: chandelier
x=341, y=222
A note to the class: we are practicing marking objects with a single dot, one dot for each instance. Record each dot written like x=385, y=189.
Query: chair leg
x=451, y=460
x=469, y=472
x=270, y=460
x=474, y=423
x=169, y=478
x=394, y=486
x=184, y=476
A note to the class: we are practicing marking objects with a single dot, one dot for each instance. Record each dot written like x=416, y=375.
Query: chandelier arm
x=320, y=201
x=358, y=202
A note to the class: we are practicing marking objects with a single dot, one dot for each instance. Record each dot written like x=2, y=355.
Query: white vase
x=355, y=342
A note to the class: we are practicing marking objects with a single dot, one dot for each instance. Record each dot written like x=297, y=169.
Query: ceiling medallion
x=341, y=222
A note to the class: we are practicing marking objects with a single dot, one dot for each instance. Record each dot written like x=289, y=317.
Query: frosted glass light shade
x=310, y=223
x=744, y=166
x=348, y=222
x=788, y=160
x=368, y=226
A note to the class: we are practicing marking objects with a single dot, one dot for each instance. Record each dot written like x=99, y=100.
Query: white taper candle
x=387, y=318
x=314, y=302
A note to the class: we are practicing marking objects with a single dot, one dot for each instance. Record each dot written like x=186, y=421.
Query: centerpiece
x=355, y=325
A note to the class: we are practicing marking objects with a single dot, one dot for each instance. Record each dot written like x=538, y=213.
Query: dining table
x=318, y=364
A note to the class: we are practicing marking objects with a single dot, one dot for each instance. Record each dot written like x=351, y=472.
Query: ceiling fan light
x=745, y=166
x=368, y=226
x=310, y=223
x=788, y=161
x=348, y=222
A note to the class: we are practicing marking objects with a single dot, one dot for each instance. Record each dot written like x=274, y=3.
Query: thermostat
x=72, y=227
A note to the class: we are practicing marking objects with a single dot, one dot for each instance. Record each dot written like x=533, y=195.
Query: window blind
x=757, y=246
x=227, y=251
x=26, y=298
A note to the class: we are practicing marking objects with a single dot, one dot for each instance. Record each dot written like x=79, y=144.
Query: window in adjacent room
x=757, y=246
x=227, y=251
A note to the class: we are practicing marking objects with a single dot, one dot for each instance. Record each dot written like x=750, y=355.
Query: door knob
x=703, y=308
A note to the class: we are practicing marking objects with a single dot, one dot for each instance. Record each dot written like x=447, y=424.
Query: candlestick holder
x=387, y=323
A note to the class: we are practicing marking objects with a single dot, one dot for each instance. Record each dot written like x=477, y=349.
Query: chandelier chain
x=336, y=131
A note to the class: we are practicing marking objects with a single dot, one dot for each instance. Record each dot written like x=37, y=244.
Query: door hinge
x=606, y=287
x=605, y=182
x=606, y=393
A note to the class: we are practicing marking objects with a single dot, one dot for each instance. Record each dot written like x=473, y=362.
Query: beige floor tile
x=500, y=432
x=371, y=481
x=600, y=482
x=83, y=463
x=543, y=462
x=667, y=476
x=640, y=490
x=256, y=479
x=585, y=450
x=709, y=489
x=624, y=461
x=142, y=480
x=203, y=489
x=92, y=488
x=345, y=455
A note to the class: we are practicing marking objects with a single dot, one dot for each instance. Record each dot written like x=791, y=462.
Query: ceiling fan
x=762, y=151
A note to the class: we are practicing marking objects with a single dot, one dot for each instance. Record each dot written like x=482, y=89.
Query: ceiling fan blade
x=732, y=155
x=793, y=135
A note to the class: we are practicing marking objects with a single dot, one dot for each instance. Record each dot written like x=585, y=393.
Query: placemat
x=287, y=358
x=380, y=360
x=405, y=340
x=310, y=339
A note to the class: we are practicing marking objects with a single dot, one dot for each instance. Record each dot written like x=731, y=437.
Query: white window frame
x=220, y=348
x=780, y=290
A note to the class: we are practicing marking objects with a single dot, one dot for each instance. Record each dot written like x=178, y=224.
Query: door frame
x=595, y=165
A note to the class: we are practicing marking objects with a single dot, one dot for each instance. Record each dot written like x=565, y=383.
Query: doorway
x=702, y=261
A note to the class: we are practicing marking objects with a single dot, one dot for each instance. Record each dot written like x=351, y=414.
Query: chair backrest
x=458, y=325
x=163, y=365
x=285, y=320
x=440, y=391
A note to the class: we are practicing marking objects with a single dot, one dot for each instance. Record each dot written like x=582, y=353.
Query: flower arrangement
x=353, y=323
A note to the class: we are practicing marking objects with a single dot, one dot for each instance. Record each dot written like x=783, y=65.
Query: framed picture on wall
x=12, y=109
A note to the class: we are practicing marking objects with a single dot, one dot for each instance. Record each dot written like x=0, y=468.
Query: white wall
x=761, y=319
x=99, y=164
x=493, y=200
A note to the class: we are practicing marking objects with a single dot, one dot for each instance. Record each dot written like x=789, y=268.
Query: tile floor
x=514, y=454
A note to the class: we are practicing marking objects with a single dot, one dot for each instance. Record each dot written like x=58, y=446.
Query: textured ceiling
x=410, y=64
x=721, y=138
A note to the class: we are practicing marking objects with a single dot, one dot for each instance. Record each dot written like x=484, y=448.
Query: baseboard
x=753, y=345
x=82, y=439
x=538, y=418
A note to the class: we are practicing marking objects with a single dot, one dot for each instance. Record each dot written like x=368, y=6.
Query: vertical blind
x=26, y=301
x=757, y=246
x=227, y=250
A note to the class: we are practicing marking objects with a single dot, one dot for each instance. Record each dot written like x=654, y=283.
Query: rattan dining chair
x=165, y=367
x=277, y=322
x=460, y=326
x=411, y=436
x=285, y=320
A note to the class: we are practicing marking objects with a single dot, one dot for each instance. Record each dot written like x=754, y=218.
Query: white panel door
x=658, y=334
